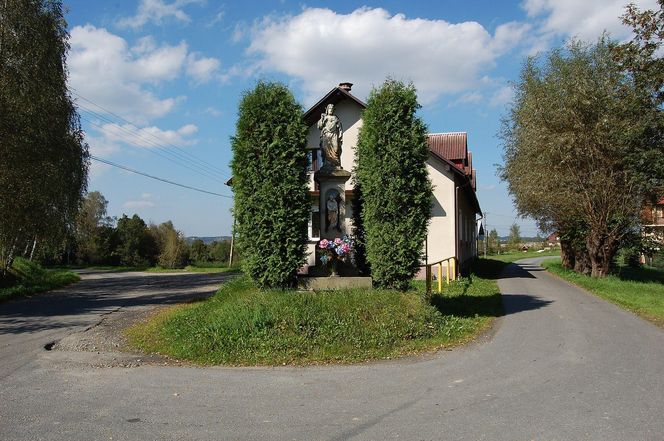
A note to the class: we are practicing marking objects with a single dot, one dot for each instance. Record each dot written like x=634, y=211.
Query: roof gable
x=332, y=97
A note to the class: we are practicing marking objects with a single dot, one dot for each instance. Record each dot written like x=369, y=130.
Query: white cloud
x=585, y=19
x=157, y=12
x=502, y=96
x=147, y=137
x=321, y=48
x=218, y=18
x=467, y=98
x=200, y=68
x=239, y=31
x=107, y=71
x=138, y=204
x=213, y=111
x=145, y=201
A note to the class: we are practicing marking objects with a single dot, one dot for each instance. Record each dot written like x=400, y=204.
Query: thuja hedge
x=270, y=185
x=396, y=191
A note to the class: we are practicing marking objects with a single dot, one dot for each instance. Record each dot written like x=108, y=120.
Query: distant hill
x=207, y=239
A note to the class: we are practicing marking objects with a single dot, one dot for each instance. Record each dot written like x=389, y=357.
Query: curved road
x=562, y=365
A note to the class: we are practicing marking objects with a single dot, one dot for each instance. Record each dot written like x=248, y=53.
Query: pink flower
x=323, y=243
x=338, y=241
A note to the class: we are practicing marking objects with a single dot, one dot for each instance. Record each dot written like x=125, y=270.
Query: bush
x=270, y=185
x=396, y=211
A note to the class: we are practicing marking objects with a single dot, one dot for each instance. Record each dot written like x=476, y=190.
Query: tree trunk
x=582, y=263
x=567, y=254
x=34, y=245
x=599, y=251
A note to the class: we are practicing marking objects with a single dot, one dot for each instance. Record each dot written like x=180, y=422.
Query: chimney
x=345, y=86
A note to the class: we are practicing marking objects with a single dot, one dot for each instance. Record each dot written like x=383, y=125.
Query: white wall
x=440, y=238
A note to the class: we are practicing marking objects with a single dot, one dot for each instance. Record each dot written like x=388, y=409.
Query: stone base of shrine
x=332, y=283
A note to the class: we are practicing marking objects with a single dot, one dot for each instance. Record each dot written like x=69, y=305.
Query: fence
x=450, y=272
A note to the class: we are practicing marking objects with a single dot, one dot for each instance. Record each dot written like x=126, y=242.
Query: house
x=453, y=225
x=652, y=220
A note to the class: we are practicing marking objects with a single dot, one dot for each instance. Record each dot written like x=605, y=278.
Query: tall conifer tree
x=391, y=170
x=270, y=185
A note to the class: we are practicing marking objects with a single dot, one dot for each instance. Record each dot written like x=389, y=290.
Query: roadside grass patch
x=242, y=325
x=640, y=290
x=192, y=269
x=26, y=277
x=513, y=256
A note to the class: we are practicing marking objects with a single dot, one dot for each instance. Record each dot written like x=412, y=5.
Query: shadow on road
x=60, y=308
x=496, y=305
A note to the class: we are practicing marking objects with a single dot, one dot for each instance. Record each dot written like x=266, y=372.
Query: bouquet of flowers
x=337, y=249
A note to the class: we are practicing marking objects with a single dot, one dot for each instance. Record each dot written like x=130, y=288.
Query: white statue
x=331, y=137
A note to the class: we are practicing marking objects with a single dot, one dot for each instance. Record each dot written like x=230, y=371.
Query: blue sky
x=158, y=81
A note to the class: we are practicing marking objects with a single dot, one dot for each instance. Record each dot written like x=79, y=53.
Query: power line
x=185, y=155
x=157, y=178
x=127, y=138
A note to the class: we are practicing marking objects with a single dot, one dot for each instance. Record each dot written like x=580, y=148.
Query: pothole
x=49, y=346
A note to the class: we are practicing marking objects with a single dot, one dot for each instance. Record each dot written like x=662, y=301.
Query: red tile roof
x=452, y=146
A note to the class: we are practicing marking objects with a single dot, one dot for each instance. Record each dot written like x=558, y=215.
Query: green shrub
x=270, y=185
x=396, y=211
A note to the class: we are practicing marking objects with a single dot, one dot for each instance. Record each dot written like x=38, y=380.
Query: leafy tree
x=514, y=238
x=220, y=251
x=396, y=211
x=270, y=185
x=574, y=144
x=43, y=172
x=137, y=246
x=493, y=242
x=92, y=217
x=173, y=249
x=198, y=251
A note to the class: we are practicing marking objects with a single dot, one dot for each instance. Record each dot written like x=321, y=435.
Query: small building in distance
x=455, y=209
x=652, y=220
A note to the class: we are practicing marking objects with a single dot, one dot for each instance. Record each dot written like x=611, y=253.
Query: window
x=313, y=160
x=314, y=223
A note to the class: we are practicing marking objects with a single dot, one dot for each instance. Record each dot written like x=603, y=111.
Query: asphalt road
x=561, y=365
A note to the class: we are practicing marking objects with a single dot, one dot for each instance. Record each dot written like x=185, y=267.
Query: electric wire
x=189, y=156
x=105, y=161
x=138, y=138
x=129, y=138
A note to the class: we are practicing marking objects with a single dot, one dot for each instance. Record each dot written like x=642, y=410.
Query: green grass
x=512, y=256
x=29, y=278
x=242, y=325
x=192, y=269
x=197, y=268
x=640, y=290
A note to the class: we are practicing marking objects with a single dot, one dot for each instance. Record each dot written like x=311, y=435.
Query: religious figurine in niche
x=331, y=137
x=332, y=212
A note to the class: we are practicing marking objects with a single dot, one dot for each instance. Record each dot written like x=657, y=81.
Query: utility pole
x=486, y=233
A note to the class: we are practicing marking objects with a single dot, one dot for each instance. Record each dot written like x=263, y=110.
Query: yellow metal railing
x=450, y=272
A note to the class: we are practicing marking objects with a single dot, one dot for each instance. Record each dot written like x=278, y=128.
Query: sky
x=158, y=82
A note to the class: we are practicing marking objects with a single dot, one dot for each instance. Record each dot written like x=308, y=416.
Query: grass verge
x=640, y=290
x=242, y=325
x=29, y=278
x=513, y=256
x=192, y=269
